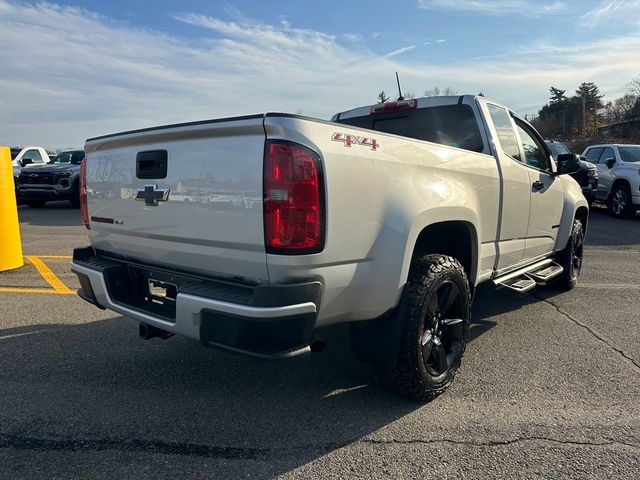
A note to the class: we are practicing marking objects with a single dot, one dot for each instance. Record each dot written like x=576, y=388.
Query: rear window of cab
x=451, y=125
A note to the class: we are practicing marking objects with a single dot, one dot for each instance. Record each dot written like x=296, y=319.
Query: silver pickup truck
x=251, y=233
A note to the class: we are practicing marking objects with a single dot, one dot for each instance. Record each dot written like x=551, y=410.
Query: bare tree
x=634, y=86
x=622, y=107
x=437, y=91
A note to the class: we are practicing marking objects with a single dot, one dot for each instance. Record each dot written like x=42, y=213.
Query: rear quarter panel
x=378, y=202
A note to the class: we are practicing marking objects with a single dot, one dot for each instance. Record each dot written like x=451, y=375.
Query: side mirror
x=26, y=161
x=610, y=162
x=568, y=163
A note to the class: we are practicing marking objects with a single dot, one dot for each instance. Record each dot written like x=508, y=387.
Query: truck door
x=546, y=193
x=515, y=188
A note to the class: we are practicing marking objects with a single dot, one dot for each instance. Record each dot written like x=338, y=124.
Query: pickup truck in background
x=388, y=218
x=59, y=179
x=586, y=176
x=23, y=157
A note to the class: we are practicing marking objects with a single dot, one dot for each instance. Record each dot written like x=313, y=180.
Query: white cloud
x=400, y=51
x=624, y=11
x=68, y=74
x=495, y=7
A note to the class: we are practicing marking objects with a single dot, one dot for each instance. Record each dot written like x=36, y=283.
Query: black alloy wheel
x=443, y=329
x=570, y=259
x=435, y=312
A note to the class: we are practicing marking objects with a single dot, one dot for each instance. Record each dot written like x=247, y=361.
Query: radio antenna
x=400, y=97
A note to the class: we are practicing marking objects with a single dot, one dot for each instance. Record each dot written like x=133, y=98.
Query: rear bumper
x=272, y=321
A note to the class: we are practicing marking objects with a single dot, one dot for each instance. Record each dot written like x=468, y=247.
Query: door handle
x=537, y=185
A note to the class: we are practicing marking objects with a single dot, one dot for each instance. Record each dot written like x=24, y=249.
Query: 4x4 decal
x=349, y=140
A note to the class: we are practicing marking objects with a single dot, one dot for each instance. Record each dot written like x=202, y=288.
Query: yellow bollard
x=10, y=244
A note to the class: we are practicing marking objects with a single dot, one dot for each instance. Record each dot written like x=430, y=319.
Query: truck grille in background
x=36, y=178
x=582, y=178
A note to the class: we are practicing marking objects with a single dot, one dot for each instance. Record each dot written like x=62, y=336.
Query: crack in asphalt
x=149, y=446
x=18, y=442
x=498, y=443
x=592, y=332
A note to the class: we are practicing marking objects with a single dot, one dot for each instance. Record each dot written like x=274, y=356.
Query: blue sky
x=75, y=69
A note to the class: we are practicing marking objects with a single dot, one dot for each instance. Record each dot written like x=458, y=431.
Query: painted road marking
x=58, y=287
x=48, y=275
x=49, y=291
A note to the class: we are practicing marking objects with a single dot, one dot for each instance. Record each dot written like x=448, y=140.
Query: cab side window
x=535, y=154
x=593, y=154
x=506, y=136
x=34, y=155
x=606, y=155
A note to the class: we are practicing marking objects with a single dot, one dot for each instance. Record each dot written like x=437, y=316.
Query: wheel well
x=618, y=181
x=455, y=238
x=582, y=214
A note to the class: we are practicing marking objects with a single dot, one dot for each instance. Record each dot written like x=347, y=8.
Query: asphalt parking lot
x=549, y=386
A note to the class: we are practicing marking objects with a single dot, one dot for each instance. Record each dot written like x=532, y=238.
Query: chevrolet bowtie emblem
x=151, y=195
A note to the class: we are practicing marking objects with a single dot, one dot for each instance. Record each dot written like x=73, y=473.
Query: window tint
x=608, y=153
x=630, y=153
x=33, y=155
x=594, y=154
x=534, y=153
x=452, y=125
x=15, y=152
x=506, y=135
x=69, y=157
x=557, y=148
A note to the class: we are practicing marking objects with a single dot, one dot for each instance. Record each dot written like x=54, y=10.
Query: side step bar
x=525, y=279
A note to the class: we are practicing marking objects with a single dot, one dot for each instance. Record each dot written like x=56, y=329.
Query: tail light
x=83, y=193
x=293, y=199
x=390, y=107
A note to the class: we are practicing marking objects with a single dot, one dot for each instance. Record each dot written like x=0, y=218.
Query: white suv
x=619, y=176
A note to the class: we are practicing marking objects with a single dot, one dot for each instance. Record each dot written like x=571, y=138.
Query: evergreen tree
x=382, y=97
x=557, y=95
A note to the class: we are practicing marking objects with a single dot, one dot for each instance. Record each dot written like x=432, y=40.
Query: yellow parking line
x=49, y=276
x=36, y=290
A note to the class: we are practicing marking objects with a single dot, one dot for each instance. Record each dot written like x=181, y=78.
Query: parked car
x=386, y=218
x=22, y=157
x=57, y=180
x=587, y=176
x=619, y=177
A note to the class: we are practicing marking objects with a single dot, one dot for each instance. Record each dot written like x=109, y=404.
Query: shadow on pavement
x=605, y=230
x=97, y=387
x=53, y=214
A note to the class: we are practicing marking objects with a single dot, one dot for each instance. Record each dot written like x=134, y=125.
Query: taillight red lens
x=83, y=193
x=293, y=199
x=398, y=106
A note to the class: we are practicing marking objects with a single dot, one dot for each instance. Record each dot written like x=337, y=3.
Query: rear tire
x=35, y=203
x=435, y=310
x=620, y=203
x=570, y=259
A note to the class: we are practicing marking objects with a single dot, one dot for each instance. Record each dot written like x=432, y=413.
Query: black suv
x=57, y=180
x=587, y=176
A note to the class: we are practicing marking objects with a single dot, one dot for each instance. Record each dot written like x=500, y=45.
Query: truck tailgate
x=212, y=220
